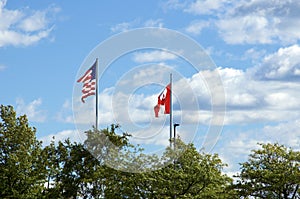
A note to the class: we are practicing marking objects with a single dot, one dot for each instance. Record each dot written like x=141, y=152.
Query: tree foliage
x=72, y=169
x=271, y=172
x=21, y=172
x=107, y=165
x=191, y=174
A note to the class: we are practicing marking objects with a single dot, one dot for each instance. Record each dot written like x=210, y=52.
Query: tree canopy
x=21, y=172
x=107, y=165
x=271, y=172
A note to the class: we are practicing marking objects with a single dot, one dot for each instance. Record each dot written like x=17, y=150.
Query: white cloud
x=248, y=100
x=154, y=23
x=202, y=7
x=31, y=110
x=20, y=27
x=258, y=116
x=286, y=133
x=35, y=22
x=254, y=99
x=237, y=144
x=174, y=4
x=246, y=29
x=16, y=38
x=121, y=27
x=196, y=27
x=65, y=114
x=157, y=135
x=8, y=17
x=260, y=21
x=235, y=147
x=255, y=55
x=84, y=113
x=243, y=144
x=282, y=100
x=281, y=65
x=136, y=23
x=248, y=22
x=153, y=56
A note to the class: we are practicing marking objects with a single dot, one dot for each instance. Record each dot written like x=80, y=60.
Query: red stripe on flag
x=89, y=82
x=84, y=76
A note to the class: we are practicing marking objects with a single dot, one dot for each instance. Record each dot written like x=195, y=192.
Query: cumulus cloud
x=84, y=113
x=202, y=7
x=254, y=54
x=286, y=133
x=31, y=110
x=265, y=96
x=251, y=100
x=24, y=27
x=237, y=144
x=246, y=29
x=248, y=99
x=65, y=113
x=16, y=39
x=247, y=22
x=260, y=21
x=35, y=22
x=282, y=65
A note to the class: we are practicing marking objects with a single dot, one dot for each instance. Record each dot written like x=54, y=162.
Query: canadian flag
x=163, y=100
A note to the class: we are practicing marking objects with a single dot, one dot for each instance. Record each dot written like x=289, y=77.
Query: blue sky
x=254, y=45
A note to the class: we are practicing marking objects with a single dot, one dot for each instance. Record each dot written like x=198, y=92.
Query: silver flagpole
x=171, y=107
x=97, y=94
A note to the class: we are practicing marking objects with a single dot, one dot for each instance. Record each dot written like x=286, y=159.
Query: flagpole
x=96, y=94
x=171, y=110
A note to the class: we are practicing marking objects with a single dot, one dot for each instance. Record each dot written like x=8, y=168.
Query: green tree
x=53, y=157
x=72, y=170
x=21, y=173
x=191, y=174
x=78, y=170
x=184, y=173
x=270, y=172
x=110, y=149
x=62, y=164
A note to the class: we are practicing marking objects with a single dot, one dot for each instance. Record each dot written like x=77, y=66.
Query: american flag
x=89, y=82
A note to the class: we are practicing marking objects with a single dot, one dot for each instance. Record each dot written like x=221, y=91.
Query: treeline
x=74, y=170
